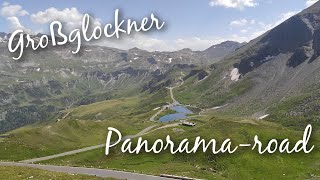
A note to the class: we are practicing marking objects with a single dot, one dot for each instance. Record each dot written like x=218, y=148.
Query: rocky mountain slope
x=277, y=67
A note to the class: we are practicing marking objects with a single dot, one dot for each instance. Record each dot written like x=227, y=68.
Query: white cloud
x=15, y=24
x=71, y=17
x=238, y=4
x=53, y=14
x=9, y=10
x=310, y=2
x=244, y=31
x=241, y=22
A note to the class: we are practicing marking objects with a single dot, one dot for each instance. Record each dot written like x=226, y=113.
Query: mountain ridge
x=281, y=64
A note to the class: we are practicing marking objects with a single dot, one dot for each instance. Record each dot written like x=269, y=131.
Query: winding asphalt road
x=88, y=171
x=84, y=149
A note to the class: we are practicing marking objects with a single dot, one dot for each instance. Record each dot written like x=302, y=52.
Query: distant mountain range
x=47, y=81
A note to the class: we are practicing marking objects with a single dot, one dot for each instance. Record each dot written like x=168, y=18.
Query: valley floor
x=86, y=126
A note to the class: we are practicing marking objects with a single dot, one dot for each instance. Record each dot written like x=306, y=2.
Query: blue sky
x=189, y=24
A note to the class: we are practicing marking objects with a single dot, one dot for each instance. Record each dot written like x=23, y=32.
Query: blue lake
x=182, y=112
x=181, y=109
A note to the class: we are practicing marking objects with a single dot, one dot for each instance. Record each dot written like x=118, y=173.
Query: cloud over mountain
x=238, y=4
x=11, y=13
x=310, y=2
x=241, y=22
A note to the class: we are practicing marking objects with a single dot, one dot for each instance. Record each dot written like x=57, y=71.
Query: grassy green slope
x=244, y=164
x=214, y=90
x=30, y=173
x=79, y=127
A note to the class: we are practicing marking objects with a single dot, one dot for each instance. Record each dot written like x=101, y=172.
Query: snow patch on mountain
x=235, y=75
